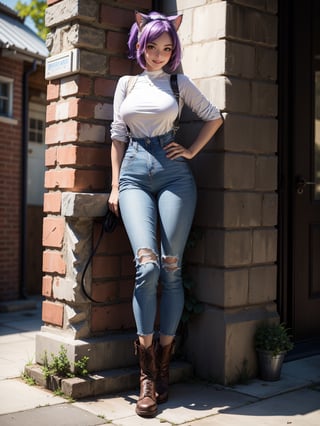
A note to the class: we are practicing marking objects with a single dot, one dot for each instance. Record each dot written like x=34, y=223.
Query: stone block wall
x=77, y=177
x=230, y=51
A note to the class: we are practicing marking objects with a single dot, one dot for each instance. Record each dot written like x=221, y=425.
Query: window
x=6, y=95
x=36, y=129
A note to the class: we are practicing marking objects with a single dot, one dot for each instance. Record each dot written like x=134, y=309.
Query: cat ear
x=141, y=19
x=176, y=20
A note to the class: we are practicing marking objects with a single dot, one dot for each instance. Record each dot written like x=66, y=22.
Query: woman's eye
x=150, y=47
x=168, y=49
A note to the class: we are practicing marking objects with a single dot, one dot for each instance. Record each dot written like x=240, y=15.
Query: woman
x=151, y=180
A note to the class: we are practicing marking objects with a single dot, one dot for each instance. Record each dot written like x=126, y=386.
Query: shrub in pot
x=272, y=342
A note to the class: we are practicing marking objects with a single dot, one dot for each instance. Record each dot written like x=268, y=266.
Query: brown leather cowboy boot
x=163, y=357
x=147, y=405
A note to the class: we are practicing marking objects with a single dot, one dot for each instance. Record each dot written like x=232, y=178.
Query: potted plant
x=272, y=342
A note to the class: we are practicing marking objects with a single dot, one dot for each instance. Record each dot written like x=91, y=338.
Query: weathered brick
x=119, y=66
x=116, y=243
x=221, y=287
x=103, y=111
x=250, y=134
x=104, y=87
x=126, y=289
x=262, y=284
x=228, y=248
x=47, y=286
x=62, y=132
x=106, y=267
x=266, y=173
x=51, y=156
x=116, y=18
x=81, y=156
x=65, y=11
x=52, y=313
x=93, y=63
x=51, y=112
x=264, y=99
x=67, y=109
x=240, y=60
x=91, y=132
x=76, y=180
x=105, y=291
x=266, y=63
x=239, y=171
x=127, y=265
x=76, y=85
x=115, y=41
x=242, y=209
x=86, y=37
x=59, y=178
x=197, y=54
x=209, y=170
x=251, y=25
x=269, y=209
x=53, y=90
x=264, y=245
x=53, y=262
x=209, y=22
x=53, y=231
x=113, y=317
x=52, y=202
x=75, y=108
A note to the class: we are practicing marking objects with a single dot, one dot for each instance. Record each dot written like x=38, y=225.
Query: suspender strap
x=175, y=89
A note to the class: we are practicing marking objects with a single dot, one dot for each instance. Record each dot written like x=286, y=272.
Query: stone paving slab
x=61, y=415
x=295, y=375
x=299, y=408
x=15, y=396
x=14, y=356
x=187, y=403
x=307, y=368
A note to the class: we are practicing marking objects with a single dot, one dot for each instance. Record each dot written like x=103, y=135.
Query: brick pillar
x=230, y=52
x=79, y=112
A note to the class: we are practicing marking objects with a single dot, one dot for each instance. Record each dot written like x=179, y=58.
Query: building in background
x=22, y=130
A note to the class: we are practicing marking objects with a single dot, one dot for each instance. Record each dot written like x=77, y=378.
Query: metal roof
x=15, y=35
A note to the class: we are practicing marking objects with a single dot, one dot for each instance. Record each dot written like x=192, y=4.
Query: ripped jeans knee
x=170, y=263
x=148, y=268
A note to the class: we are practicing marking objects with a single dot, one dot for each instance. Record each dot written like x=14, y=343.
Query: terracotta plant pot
x=270, y=365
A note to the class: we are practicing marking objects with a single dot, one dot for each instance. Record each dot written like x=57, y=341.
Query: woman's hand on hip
x=175, y=150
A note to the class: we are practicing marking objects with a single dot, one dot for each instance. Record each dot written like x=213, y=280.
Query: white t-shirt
x=150, y=108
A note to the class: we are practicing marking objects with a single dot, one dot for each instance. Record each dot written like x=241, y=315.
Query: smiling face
x=158, y=52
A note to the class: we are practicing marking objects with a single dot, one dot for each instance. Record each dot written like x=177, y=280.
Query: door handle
x=301, y=183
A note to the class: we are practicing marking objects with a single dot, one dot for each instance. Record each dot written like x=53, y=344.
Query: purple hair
x=151, y=30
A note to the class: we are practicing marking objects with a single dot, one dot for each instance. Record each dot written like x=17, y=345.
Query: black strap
x=175, y=89
x=109, y=224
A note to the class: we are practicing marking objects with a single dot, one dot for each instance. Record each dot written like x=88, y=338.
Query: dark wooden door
x=304, y=122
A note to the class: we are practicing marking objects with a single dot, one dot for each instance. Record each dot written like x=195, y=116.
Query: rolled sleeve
x=118, y=128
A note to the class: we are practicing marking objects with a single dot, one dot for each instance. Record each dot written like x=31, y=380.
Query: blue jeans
x=152, y=188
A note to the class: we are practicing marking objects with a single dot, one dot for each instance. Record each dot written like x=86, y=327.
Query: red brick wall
x=78, y=162
x=10, y=187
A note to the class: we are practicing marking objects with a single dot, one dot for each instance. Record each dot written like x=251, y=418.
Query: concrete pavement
x=293, y=400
